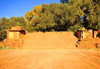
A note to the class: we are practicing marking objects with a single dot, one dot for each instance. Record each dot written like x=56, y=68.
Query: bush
x=74, y=28
x=5, y=47
x=3, y=35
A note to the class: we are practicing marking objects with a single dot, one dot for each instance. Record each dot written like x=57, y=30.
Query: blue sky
x=10, y=8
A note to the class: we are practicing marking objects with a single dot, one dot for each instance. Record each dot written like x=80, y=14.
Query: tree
x=90, y=8
x=96, y=1
x=17, y=21
x=33, y=14
x=6, y=23
x=64, y=1
x=58, y=17
x=68, y=15
x=32, y=18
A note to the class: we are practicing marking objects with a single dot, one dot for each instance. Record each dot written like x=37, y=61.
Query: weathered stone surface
x=49, y=40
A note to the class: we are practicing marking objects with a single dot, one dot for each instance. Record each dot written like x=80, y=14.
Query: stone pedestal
x=95, y=34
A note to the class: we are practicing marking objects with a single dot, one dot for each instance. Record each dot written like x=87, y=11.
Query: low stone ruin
x=88, y=38
x=14, y=37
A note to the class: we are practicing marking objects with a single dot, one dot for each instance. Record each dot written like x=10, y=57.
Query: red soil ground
x=89, y=43
x=44, y=51
x=50, y=59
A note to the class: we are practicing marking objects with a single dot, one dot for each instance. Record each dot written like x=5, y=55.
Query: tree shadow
x=98, y=35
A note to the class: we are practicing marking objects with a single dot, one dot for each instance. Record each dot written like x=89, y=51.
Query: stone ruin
x=96, y=34
x=84, y=33
x=14, y=37
x=88, y=38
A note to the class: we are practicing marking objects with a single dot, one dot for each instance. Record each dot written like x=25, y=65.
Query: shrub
x=3, y=35
x=74, y=28
x=5, y=47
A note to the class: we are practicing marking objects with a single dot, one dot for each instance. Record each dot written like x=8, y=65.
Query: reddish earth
x=89, y=43
x=50, y=59
x=44, y=51
x=49, y=40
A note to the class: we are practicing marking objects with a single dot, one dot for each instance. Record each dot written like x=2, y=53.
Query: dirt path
x=50, y=59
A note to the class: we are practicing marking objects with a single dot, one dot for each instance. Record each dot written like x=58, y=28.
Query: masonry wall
x=49, y=40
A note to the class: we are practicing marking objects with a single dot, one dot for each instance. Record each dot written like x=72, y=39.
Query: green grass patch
x=5, y=48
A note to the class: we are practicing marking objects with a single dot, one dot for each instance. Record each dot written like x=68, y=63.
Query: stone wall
x=49, y=40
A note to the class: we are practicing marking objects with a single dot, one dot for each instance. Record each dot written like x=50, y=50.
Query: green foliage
x=30, y=28
x=74, y=28
x=32, y=18
x=64, y=1
x=56, y=17
x=65, y=16
x=2, y=34
x=6, y=23
x=5, y=47
x=91, y=12
x=17, y=21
